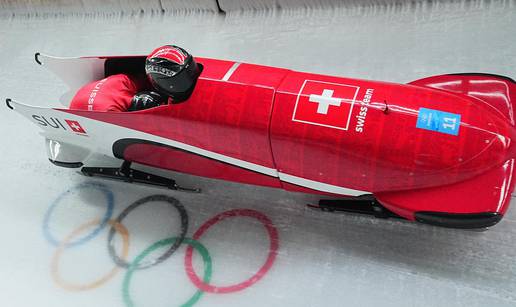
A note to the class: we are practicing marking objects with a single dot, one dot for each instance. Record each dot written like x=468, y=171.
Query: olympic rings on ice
x=273, y=250
x=74, y=239
x=184, y=228
x=57, y=255
x=134, y=265
x=109, y=211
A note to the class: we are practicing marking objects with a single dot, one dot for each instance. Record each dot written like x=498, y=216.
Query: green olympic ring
x=134, y=266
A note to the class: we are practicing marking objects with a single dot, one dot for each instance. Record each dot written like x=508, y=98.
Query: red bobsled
x=438, y=150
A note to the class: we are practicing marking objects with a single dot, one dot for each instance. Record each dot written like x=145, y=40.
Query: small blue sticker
x=439, y=121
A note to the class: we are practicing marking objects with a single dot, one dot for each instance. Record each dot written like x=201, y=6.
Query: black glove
x=147, y=99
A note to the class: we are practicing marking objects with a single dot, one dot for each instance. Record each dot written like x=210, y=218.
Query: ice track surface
x=321, y=259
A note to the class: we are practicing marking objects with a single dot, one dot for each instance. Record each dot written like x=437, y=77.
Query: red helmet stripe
x=170, y=53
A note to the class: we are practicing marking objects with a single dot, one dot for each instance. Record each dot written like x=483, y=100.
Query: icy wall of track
x=321, y=259
x=113, y=7
x=101, y=7
x=232, y=5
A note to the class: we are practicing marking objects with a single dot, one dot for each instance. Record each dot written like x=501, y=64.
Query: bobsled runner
x=439, y=150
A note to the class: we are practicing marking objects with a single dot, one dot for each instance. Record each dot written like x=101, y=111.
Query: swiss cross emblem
x=75, y=126
x=325, y=104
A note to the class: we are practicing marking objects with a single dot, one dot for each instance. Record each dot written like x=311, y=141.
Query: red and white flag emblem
x=325, y=104
x=75, y=126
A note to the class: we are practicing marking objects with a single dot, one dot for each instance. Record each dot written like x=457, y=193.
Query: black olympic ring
x=184, y=229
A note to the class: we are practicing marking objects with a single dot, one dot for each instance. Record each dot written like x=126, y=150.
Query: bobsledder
x=438, y=150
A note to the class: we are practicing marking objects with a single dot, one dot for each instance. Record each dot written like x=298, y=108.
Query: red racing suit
x=113, y=93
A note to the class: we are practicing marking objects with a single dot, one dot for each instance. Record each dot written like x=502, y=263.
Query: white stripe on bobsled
x=319, y=186
x=230, y=71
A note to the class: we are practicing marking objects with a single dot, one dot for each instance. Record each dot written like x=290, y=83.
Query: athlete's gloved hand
x=146, y=99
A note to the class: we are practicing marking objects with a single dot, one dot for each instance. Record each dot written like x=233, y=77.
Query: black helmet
x=172, y=71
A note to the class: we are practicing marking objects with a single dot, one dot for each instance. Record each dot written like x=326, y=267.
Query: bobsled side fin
x=74, y=71
x=474, y=203
x=54, y=123
x=497, y=91
x=67, y=143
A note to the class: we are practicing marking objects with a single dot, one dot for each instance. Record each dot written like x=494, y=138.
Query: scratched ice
x=323, y=259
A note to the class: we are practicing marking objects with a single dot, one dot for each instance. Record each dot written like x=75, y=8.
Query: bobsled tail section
x=82, y=133
x=66, y=140
x=497, y=91
x=475, y=203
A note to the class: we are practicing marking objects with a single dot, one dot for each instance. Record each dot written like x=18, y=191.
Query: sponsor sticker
x=439, y=121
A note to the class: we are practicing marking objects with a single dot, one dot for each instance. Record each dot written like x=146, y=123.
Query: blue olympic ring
x=109, y=212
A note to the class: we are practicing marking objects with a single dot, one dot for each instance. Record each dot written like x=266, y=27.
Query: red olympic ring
x=273, y=250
